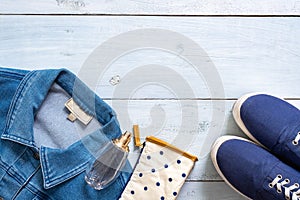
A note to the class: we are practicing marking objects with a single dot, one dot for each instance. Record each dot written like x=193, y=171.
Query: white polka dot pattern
x=159, y=174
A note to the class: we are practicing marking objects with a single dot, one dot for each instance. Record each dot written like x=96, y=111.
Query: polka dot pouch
x=160, y=172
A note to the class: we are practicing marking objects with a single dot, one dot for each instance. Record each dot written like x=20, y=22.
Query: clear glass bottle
x=111, y=158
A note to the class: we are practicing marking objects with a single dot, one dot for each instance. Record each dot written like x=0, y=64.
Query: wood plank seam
x=149, y=15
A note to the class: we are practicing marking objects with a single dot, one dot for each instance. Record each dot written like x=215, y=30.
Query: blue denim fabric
x=28, y=171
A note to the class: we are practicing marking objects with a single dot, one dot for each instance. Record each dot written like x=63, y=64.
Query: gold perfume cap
x=123, y=141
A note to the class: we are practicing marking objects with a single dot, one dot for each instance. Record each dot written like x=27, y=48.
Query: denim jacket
x=44, y=158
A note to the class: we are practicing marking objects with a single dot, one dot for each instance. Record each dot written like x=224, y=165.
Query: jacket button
x=36, y=156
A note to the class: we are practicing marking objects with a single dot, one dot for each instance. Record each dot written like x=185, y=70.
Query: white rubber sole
x=213, y=154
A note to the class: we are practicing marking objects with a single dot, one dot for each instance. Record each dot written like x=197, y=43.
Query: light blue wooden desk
x=253, y=44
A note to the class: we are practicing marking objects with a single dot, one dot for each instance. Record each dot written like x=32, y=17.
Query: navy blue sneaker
x=254, y=172
x=272, y=123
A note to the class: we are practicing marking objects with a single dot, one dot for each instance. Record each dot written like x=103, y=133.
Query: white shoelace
x=296, y=140
x=289, y=192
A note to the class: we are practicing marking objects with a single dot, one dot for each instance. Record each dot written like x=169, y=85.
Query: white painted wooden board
x=171, y=120
x=153, y=7
x=250, y=54
x=207, y=191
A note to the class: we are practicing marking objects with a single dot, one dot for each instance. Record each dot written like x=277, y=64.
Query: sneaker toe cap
x=242, y=164
x=267, y=118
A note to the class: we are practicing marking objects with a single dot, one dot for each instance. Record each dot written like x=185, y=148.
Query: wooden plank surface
x=153, y=7
x=169, y=120
x=207, y=191
x=250, y=54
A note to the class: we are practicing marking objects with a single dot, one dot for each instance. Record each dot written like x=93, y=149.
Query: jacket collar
x=30, y=95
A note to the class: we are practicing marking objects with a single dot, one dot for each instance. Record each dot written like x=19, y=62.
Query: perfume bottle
x=110, y=161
